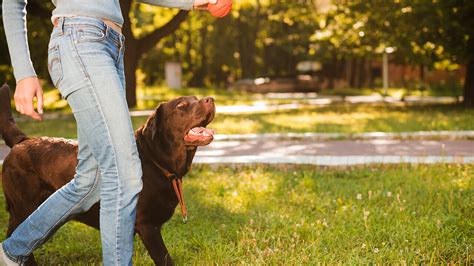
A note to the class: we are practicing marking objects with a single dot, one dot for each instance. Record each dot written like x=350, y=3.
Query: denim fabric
x=86, y=65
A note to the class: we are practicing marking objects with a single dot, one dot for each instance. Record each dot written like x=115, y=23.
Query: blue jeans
x=85, y=61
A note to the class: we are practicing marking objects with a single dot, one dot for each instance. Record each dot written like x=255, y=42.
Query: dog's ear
x=156, y=121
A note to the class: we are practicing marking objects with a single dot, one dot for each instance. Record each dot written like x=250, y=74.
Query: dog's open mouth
x=199, y=136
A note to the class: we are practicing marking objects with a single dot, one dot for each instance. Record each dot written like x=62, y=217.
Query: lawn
x=149, y=97
x=342, y=118
x=302, y=215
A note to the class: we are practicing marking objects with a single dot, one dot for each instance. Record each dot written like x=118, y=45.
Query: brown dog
x=36, y=167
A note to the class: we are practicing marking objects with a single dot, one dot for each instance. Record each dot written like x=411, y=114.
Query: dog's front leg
x=31, y=261
x=153, y=241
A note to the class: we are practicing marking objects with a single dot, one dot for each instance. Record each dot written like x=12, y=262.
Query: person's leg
x=86, y=73
x=76, y=196
x=100, y=108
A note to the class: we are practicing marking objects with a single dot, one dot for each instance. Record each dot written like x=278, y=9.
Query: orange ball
x=221, y=9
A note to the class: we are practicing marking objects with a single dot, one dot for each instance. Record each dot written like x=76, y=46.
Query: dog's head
x=178, y=127
x=182, y=121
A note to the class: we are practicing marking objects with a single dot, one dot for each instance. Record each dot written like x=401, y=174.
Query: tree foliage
x=269, y=38
x=259, y=38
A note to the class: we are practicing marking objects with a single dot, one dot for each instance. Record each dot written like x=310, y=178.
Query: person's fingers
x=23, y=105
x=17, y=103
x=28, y=107
x=39, y=107
x=20, y=105
x=30, y=111
x=26, y=90
x=202, y=4
x=36, y=116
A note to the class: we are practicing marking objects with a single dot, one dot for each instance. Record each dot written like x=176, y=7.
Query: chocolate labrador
x=36, y=167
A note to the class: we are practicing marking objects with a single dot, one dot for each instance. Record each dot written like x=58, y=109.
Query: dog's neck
x=175, y=158
x=174, y=176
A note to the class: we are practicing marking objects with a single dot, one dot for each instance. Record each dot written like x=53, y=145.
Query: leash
x=177, y=187
x=176, y=182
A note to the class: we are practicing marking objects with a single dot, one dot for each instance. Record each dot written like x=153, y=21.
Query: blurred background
x=329, y=47
x=345, y=129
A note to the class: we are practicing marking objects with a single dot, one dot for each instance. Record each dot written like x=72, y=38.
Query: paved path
x=420, y=135
x=347, y=152
x=337, y=152
x=338, y=148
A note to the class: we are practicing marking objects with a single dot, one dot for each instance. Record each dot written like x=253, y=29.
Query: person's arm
x=14, y=21
x=28, y=87
x=181, y=4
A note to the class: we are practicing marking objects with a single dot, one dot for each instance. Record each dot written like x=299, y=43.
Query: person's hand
x=26, y=90
x=202, y=4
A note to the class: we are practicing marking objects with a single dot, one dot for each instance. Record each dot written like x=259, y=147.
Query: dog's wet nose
x=208, y=99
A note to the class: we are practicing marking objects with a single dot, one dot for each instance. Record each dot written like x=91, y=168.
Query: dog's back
x=26, y=180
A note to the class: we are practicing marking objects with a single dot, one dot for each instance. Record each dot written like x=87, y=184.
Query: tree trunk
x=135, y=48
x=130, y=56
x=348, y=71
x=189, y=47
x=422, y=73
x=333, y=67
x=352, y=66
x=362, y=79
x=469, y=84
x=248, y=36
x=368, y=73
x=357, y=73
x=199, y=74
x=131, y=64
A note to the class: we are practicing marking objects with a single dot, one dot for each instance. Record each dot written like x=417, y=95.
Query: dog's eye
x=182, y=104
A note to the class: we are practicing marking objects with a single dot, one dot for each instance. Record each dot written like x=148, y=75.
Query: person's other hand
x=26, y=90
x=202, y=4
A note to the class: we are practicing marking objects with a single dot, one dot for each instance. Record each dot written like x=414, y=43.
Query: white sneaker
x=4, y=260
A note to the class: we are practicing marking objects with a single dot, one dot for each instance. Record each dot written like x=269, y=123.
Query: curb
x=334, y=136
x=334, y=160
x=468, y=134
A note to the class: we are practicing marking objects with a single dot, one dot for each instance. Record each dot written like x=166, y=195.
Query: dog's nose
x=208, y=99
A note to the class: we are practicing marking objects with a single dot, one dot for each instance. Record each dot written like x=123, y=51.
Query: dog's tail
x=10, y=132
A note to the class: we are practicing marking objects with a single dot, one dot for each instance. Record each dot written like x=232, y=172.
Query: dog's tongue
x=199, y=136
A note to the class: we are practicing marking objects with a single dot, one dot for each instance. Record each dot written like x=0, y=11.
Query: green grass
x=335, y=118
x=303, y=215
x=225, y=97
x=150, y=97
